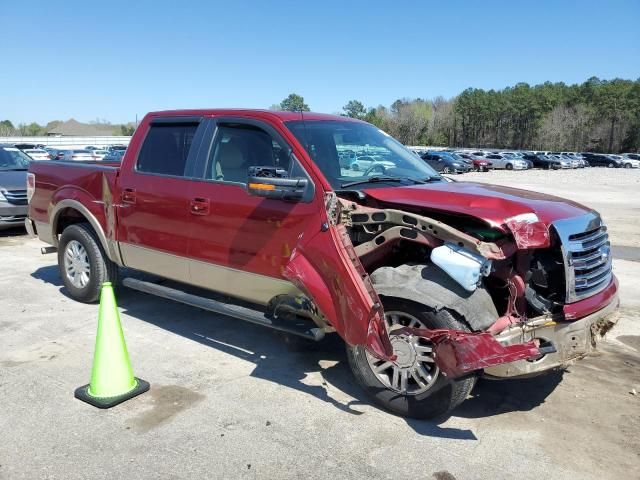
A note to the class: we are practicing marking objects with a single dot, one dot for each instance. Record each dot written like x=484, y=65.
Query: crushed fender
x=458, y=353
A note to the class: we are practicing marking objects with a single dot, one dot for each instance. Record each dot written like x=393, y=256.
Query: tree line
x=597, y=115
x=33, y=129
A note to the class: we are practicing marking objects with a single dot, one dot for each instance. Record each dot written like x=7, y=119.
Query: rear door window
x=166, y=148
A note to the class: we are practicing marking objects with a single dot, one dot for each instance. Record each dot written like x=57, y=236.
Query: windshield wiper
x=390, y=179
x=13, y=169
x=372, y=180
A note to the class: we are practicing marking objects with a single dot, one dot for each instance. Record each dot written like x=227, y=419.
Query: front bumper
x=571, y=339
x=12, y=215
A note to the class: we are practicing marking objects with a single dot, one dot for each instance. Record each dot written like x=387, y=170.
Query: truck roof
x=255, y=113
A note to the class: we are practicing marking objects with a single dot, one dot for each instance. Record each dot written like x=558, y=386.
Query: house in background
x=73, y=128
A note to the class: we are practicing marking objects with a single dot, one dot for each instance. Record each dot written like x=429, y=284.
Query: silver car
x=13, y=187
x=508, y=163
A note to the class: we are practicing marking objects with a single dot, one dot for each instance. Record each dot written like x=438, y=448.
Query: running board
x=254, y=316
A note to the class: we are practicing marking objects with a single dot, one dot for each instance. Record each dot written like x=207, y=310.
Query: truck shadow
x=294, y=363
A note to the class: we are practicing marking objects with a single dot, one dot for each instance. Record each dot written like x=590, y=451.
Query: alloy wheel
x=76, y=264
x=414, y=370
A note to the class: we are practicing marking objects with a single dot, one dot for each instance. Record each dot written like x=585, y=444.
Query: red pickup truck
x=430, y=282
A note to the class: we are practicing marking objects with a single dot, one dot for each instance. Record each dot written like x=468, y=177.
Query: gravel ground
x=232, y=400
x=613, y=192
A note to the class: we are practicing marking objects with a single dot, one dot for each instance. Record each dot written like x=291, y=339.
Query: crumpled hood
x=494, y=204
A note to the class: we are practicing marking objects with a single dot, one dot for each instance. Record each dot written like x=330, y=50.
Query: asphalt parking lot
x=233, y=400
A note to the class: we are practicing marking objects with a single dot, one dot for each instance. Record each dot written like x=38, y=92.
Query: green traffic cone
x=112, y=380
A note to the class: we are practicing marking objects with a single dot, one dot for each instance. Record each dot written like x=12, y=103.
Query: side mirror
x=274, y=183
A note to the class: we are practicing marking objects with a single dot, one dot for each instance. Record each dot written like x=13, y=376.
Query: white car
x=366, y=162
x=98, y=154
x=38, y=154
x=77, y=155
x=627, y=162
x=501, y=161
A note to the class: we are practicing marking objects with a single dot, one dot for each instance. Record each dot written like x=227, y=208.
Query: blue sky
x=116, y=59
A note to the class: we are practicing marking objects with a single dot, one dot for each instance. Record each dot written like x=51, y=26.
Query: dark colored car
x=25, y=146
x=444, y=162
x=542, y=161
x=601, y=160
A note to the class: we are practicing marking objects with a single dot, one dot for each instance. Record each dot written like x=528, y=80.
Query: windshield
x=13, y=159
x=351, y=153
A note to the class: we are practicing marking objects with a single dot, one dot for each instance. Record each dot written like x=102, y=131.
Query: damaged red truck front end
x=429, y=282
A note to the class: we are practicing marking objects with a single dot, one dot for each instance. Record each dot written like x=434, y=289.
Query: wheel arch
x=67, y=212
x=430, y=286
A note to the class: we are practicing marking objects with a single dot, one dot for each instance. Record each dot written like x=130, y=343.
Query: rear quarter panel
x=59, y=184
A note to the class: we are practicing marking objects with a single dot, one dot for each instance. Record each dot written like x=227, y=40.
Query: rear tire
x=81, y=247
x=441, y=397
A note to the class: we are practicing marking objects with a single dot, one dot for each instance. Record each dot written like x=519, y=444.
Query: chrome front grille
x=587, y=255
x=16, y=197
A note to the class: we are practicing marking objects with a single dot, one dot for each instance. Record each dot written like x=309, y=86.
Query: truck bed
x=91, y=184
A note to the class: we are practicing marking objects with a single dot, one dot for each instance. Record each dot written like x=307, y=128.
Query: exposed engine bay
x=517, y=267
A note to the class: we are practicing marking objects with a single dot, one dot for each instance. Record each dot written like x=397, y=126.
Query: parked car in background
x=347, y=158
x=575, y=163
x=600, y=160
x=479, y=164
x=120, y=148
x=543, y=161
x=113, y=156
x=13, y=186
x=25, y=146
x=368, y=163
x=631, y=156
x=38, y=154
x=625, y=162
x=99, y=154
x=444, y=163
x=77, y=155
x=517, y=156
x=501, y=161
x=91, y=147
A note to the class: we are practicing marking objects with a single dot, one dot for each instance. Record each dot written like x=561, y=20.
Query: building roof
x=73, y=128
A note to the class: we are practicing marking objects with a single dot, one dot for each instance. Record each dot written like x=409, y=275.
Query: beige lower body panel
x=247, y=286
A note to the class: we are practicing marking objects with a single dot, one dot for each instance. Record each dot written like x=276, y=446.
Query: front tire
x=408, y=397
x=83, y=265
x=508, y=166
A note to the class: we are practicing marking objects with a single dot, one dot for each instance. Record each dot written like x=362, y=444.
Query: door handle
x=199, y=206
x=129, y=195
